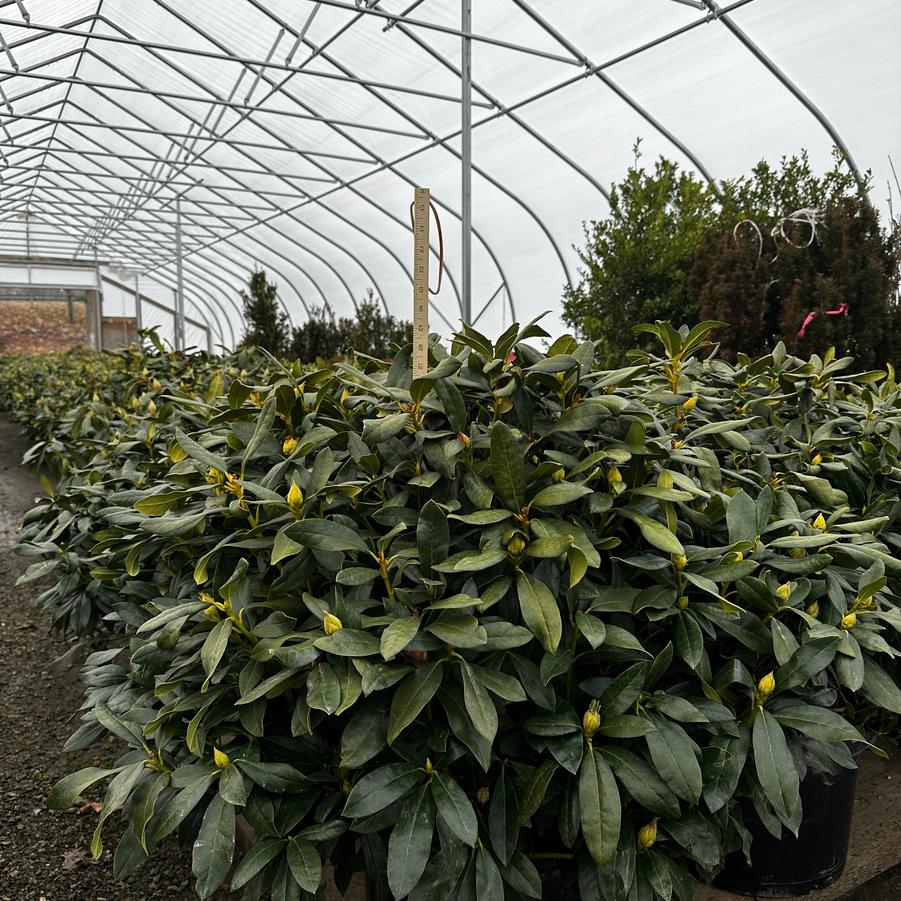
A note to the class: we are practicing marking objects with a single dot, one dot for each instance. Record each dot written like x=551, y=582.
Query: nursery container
x=796, y=866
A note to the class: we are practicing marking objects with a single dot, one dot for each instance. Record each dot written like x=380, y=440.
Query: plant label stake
x=421, y=204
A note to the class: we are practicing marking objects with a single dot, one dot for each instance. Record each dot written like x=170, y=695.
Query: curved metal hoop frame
x=184, y=143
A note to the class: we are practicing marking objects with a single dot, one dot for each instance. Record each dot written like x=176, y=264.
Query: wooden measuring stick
x=420, y=282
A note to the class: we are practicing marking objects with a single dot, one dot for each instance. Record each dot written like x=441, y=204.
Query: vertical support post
x=466, y=158
x=98, y=306
x=138, y=319
x=420, y=282
x=180, y=282
x=27, y=215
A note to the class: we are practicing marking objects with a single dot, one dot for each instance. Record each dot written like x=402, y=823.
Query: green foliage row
x=98, y=433
x=523, y=614
x=759, y=252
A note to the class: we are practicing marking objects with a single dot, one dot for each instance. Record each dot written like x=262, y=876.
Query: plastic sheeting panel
x=294, y=132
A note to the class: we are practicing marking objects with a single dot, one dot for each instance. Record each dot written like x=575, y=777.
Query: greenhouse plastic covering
x=291, y=133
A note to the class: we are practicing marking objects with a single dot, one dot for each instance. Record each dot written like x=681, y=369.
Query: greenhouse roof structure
x=192, y=142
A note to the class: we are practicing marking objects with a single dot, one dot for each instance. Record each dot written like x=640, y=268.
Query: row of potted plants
x=519, y=623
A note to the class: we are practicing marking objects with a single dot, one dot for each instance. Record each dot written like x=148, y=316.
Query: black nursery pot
x=796, y=866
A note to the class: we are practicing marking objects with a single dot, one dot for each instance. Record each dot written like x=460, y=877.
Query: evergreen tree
x=636, y=261
x=265, y=323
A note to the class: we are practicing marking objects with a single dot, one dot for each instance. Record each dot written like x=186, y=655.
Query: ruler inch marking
x=420, y=282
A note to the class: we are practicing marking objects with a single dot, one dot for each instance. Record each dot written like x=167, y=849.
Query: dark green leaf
x=432, y=537
x=381, y=788
x=600, y=807
x=640, y=781
x=775, y=765
x=305, y=864
x=816, y=722
x=675, y=758
x=258, y=855
x=478, y=703
x=540, y=611
x=508, y=467
x=411, y=842
x=454, y=808
x=503, y=818
x=414, y=693
x=214, y=847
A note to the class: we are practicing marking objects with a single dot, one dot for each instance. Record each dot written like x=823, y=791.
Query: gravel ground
x=45, y=855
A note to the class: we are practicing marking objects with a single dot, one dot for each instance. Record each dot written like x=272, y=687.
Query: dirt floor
x=45, y=855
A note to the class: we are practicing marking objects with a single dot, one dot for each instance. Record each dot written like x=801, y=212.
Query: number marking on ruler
x=420, y=282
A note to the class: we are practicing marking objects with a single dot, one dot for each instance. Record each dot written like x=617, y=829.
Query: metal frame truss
x=117, y=145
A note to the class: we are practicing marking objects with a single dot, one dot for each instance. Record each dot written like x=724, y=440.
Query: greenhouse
x=452, y=450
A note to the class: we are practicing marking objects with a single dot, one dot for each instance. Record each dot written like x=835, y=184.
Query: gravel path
x=45, y=855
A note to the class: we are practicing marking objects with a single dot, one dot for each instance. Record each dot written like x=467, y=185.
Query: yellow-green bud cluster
x=647, y=835
x=591, y=721
x=295, y=499
x=331, y=624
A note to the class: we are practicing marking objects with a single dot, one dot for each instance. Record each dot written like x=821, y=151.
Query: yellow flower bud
x=257, y=399
x=784, y=591
x=647, y=835
x=465, y=439
x=212, y=612
x=331, y=624
x=515, y=546
x=591, y=721
x=428, y=767
x=737, y=557
x=766, y=686
x=819, y=523
x=817, y=459
x=614, y=475
x=680, y=561
x=289, y=445
x=214, y=476
x=813, y=609
x=233, y=484
x=483, y=794
x=155, y=384
x=849, y=621
x=558, y=475
x=151, y=408
x=220, y=758
x=689, y=405
x=682, y=603
x=865, y=603
x=295, y=499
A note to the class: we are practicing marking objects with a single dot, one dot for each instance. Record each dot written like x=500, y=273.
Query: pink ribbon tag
x=841, y=311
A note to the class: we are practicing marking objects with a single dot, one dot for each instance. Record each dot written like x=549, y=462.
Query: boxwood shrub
x=521, y=620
